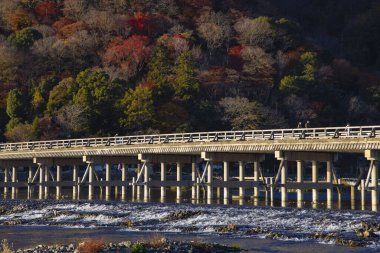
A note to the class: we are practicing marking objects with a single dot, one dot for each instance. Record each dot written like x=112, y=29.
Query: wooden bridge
x=200, y=151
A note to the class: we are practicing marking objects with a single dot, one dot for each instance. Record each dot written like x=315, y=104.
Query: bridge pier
x=374, y=157
x=41, y=186
x=226, y=176
x=241, y=179
x=14, y=180
x=300, y=176
x=314, y=172
x=58, y=188
x=329, y=190
x=6, y=179
x=123, y=180
x=193, y=180
x=75, y=181
x=163, y=180
x=179, y=179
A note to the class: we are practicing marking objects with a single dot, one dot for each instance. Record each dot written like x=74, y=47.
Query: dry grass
x=200, y=245
x=93, y=245
x=5, y=247
x=156, y=241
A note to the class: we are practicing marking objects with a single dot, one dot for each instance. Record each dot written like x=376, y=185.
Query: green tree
x=159, y=72
x=24, y=38
x=61, y=95
x=99, y=94
x=186, y=85
x=16, y=104
x=305, y=79
x=137, y=108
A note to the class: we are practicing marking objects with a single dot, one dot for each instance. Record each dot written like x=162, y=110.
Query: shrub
x=138, y=248
x=5, y=247
x=91, y=246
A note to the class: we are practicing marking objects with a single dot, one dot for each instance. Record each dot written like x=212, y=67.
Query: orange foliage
x=20, y=19
x=91, y=246
x=70, y=29
x=147, y=84
x=62, y=22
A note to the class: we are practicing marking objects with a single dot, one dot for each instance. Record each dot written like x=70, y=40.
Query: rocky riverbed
x=340, y=227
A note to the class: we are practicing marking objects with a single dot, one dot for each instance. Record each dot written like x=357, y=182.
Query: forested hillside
x=72, y=68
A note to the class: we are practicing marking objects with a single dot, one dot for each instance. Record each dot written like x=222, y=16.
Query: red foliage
x=151, y=26
x=138, y=21
x=62, y=22
x=135, y=48
x=130, y=55
x=235, y=60
x=47, y=9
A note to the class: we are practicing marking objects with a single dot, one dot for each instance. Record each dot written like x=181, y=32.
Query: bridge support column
x=146, y=181
x=41, y=185
x=14, y=181
x=300, y=175
x=6, y=180
x=47, y=179
x=226, y=176
x=375, y=187
x=90, y=181
x=209, y=181
x=314, y=178
x=163, y=179
x=284, y=176
x=75, y=180
x=362, y=193
x=124, y=180
x=30, y=177
x=138, y=187
x=255, y=178
x=179, y=179
x=59, y=179
x=329, y=191
x=241, y=179
x=108, y=178
x=374, y=157
x=193, y=180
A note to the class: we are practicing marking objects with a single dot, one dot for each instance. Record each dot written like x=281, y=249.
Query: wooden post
x=146, y=181
x=6, y=179
x=300, y=175
x=209, y=181
x=30, y=177
x=46, y=181
x=362, y=191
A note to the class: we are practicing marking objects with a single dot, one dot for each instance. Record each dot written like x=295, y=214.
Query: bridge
x=201, y=151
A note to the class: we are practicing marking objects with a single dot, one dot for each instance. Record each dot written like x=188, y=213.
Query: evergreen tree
x=159, y=71
x=186, y=85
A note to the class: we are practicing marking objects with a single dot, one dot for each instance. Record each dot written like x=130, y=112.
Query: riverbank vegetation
x=73, y=68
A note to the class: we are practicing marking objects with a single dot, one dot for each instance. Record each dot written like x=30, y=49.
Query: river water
x=277, y=229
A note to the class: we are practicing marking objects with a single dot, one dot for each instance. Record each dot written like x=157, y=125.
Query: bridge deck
x=336, y=139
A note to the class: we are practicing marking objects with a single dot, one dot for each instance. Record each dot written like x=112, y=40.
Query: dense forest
x=72, y=68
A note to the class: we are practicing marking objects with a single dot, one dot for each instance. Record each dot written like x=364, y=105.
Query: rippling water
x=289, y=223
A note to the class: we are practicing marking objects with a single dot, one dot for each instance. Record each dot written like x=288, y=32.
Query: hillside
x=72, y=68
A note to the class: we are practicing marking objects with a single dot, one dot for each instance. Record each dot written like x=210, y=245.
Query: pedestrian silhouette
x=299, y=125
x=307, y=124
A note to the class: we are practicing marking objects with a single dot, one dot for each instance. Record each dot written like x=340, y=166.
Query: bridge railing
x=249, y=135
